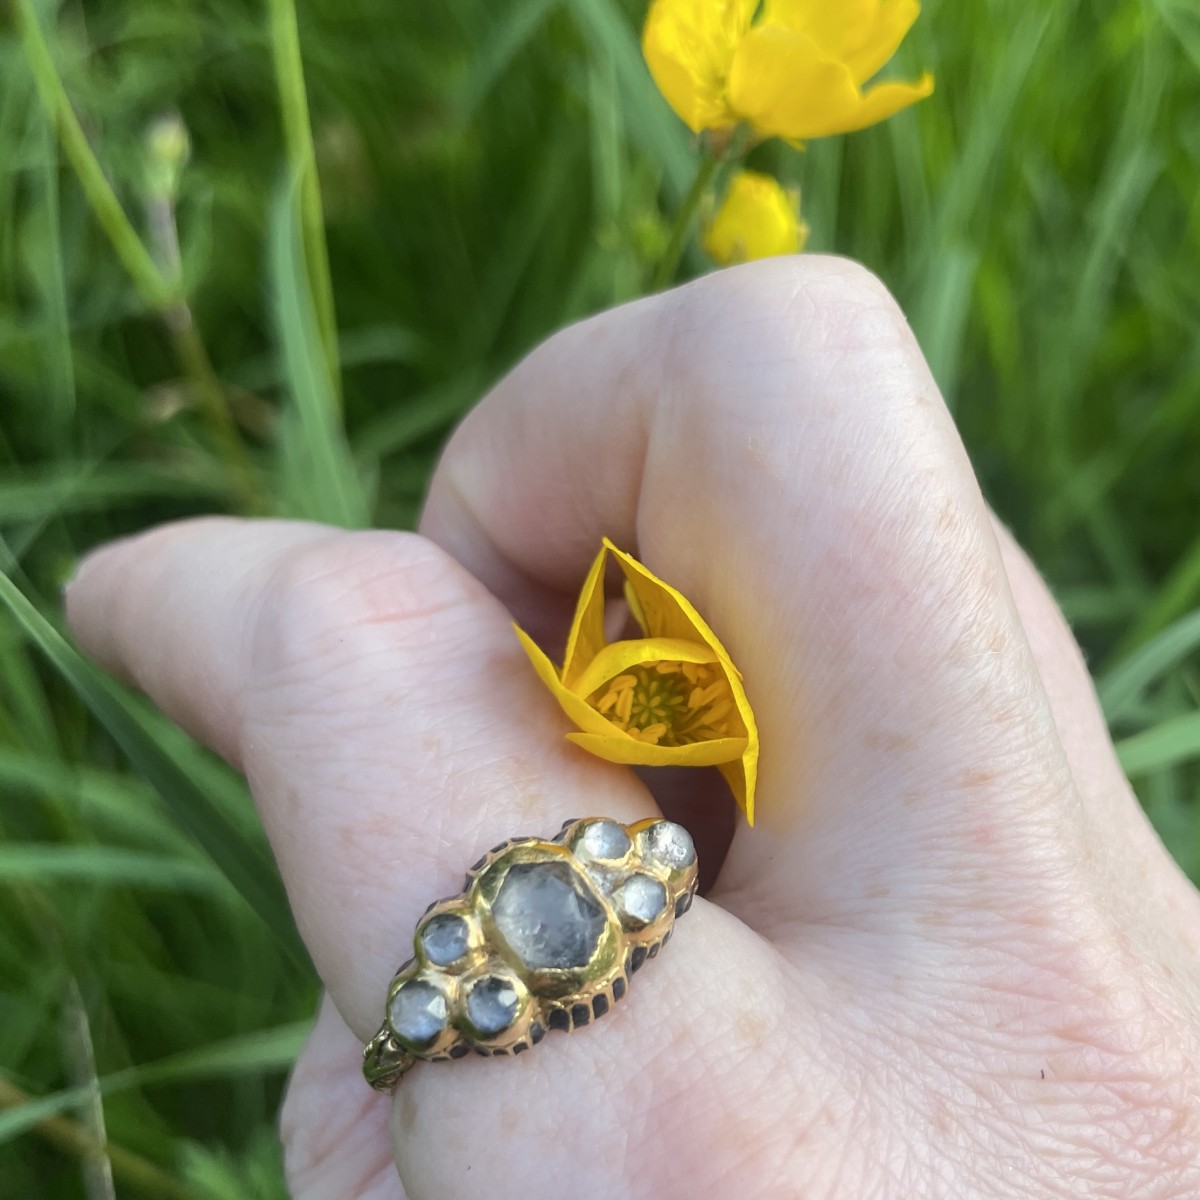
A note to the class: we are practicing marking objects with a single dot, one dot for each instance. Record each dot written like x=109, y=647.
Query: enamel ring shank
x=544, y=935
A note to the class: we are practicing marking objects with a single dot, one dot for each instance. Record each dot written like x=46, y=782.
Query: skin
x=950, y=960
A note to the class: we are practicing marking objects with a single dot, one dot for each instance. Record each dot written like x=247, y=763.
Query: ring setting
x=544, y=935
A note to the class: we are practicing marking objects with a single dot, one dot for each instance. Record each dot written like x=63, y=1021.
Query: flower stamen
x=670, y=703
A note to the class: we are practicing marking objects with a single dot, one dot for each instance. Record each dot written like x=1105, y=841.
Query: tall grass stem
x=297, y=132
x=161, y=293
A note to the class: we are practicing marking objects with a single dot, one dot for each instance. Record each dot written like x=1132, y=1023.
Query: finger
x=364, y=682
x=771, y=442
x=334, y=1129
x=1138, y=874
x=391, y=729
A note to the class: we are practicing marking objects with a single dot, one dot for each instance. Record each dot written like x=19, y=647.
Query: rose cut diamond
x=643, y=898
x=492, y=1004
x=445, y=939
x=671, y=845
x=546, y=914
x=417, y=1013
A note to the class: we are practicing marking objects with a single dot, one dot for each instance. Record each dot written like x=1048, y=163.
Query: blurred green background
x=489, y=172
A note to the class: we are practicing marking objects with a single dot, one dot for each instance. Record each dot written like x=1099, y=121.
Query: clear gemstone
x=417, y=1012
x=643, y=898
x=545, y=914
x=671, y=845
x=492, y=1004
x=445, y=938
x=605, y=839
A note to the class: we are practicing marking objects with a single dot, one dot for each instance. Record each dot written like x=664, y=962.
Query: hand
x=950, y=960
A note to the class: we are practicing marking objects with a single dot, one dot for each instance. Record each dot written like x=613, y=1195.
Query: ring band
x=544, y=935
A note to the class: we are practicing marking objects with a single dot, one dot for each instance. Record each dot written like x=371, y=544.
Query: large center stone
x=546, y=916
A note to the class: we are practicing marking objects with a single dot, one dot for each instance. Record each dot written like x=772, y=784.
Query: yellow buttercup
x=797, y=72
x=757, y=219
x=669, y=698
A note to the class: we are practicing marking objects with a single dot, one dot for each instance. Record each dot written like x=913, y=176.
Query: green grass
x=488, y=172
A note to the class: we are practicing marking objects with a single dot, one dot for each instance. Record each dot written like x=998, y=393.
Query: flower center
x=670, y=703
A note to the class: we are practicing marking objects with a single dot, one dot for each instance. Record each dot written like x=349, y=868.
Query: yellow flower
x=795, y=73
x=757, y=219
x=669, y=698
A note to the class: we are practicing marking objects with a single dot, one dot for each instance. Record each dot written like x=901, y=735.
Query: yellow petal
x=618, y=747
x=884, y=99
x=578, y=710
x=784, y=85
x=688, y=46
x=895, y=18
x=742, y=775
x=862, y=34
x=757, y=219
x=666, y=612
x=586, y=638
x=617, y=657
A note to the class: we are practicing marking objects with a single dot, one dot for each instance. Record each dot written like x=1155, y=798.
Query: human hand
x=950, y=960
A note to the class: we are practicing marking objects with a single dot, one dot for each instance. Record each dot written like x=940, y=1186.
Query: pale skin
x=950, y=960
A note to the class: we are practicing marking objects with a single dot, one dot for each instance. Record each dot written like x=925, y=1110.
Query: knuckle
x=813, y=316
x=335, y=601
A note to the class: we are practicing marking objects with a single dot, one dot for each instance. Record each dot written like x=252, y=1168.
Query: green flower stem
x=297, y=132
x=668, y=264
x=163, y=295
x=127, y=1166
x=129, y=247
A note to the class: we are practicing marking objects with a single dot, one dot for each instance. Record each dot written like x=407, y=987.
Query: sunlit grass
x=489, y=172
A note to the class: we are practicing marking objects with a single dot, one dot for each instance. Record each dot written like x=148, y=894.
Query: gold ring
x=544, y=935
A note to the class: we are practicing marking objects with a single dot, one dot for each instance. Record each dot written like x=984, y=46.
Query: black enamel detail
x=653, y=951
x=683, y=904
x=637, y=956
x=580, y=1015
x=559, y=1019
x=520, y=1046
x=460, y=1051
x=476, y=865
x=536, y=1033
x=599, y=1006
x=618, y=987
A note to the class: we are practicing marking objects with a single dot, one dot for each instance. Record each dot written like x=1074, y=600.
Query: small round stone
x=417, y=1013
x=492, y=1004
x=605, y=839
x=445, y=939
x=671, y=845
x=643, y=898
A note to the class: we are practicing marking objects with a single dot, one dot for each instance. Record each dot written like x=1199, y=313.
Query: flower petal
x=666, y=612
x=783, y=84
x=894, y=20
x=786, y=87
x=741, y=776
x=577, y=709
x=862, y=34
x=586, y=638
x=757, y=219
x=619, y=747
x=689, y=46
x=617, y=658
x=885, y=99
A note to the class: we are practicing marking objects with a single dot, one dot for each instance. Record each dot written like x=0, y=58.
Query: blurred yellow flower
x=757, y=219
x=795, y=73
x=669, y=698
